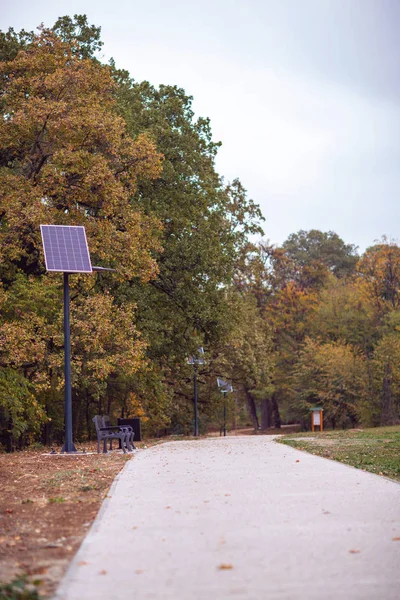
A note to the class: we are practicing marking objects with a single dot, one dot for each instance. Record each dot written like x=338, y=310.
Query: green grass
x=376, y=450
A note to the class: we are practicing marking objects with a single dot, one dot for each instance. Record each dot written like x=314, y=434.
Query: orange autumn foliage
x=66, y=158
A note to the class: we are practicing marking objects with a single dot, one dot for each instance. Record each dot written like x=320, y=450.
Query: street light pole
x=225, y=387
x=196, y=412
x=224, y=393
x=62, y=244
x=69, y=445
x=196, y=360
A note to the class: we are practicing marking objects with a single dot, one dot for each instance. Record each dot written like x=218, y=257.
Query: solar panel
x=65, y=248
x=224, y=385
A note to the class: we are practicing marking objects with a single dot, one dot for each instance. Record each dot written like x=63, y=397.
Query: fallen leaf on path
x=82, y=563
x=396, y=539
x=103, y=572
x=139, y=571
x=225, y=567
x=297, y=460
x=354, y=551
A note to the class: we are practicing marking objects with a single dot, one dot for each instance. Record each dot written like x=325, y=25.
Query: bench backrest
x=106, y=420
x=98, y=422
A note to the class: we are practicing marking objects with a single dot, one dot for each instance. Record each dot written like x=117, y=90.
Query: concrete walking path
x=243, y=518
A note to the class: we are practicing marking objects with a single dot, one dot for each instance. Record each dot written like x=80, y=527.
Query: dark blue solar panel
x=65, y=248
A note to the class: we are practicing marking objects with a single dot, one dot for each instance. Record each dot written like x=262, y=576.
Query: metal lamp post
x=196, y=360
x=69, y=446
x=225, y=388
x=66, y=251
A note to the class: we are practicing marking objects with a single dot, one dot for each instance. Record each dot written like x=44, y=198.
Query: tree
x=205, y=229
x=20, y=411
x=384, y=407
x=345, y=314
x=379, y=271
x=66, y=158
x=308, y=248
x=84, y=37
x=332, y=375
x=245, y=357
x=287, y=303
x=205, y=224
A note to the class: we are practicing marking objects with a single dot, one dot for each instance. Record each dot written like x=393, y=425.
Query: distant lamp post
x=225, y=388
x=196, y=360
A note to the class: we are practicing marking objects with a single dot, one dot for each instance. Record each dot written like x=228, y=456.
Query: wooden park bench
x=107, y=432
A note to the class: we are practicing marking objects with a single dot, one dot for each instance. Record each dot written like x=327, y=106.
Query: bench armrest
x=107, y=428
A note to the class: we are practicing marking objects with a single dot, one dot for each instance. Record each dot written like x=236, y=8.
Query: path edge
x=62, y=588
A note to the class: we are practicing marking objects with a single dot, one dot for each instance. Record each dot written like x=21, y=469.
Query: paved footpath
x=243, y=518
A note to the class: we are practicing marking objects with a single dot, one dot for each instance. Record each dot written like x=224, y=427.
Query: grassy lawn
x=376, y=450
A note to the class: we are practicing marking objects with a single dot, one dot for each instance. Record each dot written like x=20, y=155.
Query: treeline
x=82, y=143
x=335, y=322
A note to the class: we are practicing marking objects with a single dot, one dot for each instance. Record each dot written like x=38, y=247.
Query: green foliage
x=12, y=42
x=344, y=314
x=332, y=375
x=205, y=230
x=311, y=247
x=20, y=411
x=386, y=381
x=78, y=31
x=85, y=37
x=205, y=224
x=245, y=355
x=19, y=589
x=379, y=271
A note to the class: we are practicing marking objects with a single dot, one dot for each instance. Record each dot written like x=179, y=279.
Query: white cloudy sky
x=303, y=94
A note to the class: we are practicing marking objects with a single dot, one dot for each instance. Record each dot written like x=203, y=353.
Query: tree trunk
x=253, y=410
x=275, y=411
x=266, y=413
x=387, y=399
x=46, y=435
x=87, y=416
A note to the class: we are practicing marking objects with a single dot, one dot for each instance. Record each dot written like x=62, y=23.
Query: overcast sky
x=303, y=94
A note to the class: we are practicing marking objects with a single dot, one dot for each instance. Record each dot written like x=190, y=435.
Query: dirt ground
x=47, y=504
